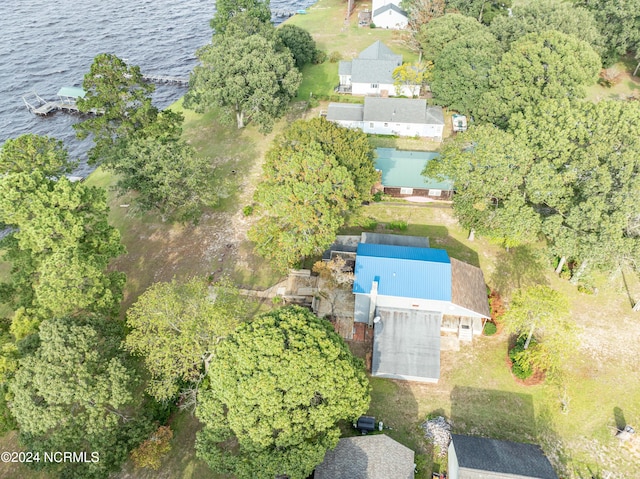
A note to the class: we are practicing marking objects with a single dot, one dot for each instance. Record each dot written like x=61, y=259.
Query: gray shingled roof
x=435, y=115
x=379, y=51
x=389, y=6
x=394, y=240
x=373, y=71
x=398, y=110
x=367, y=457
x=375, y=64
x=468, y=288
x=406, y=344
x=344, y=68
x=345, y=112
x=477, y=455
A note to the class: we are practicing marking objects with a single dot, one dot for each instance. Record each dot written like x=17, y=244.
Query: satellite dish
x=376, y=319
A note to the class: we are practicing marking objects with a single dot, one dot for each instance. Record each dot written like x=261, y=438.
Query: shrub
x=372, y=25
x=490, y=329
x=247, y=210
x=335, y=57
x=586, y=289
x=377, y=197
x=398, y=225
x=319, y=57
x=150, y=453
x=313, y=102
x=497, y=306
x=521, y=363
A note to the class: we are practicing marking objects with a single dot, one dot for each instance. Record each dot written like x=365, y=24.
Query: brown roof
x=367, y=457
x=468, y=288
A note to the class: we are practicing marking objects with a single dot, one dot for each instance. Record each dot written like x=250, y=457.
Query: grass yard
x=476, y=390
x=626, y=86
x=326, y=22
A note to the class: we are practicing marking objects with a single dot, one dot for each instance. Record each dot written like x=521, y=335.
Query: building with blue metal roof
x=409, y=294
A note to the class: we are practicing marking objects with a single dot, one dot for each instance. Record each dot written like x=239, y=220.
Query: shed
x=482, y=458
x=367, y=457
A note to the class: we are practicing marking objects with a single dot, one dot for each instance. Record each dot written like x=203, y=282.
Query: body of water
x=45, y=45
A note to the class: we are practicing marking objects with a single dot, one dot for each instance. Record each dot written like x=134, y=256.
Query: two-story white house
x=371, y=73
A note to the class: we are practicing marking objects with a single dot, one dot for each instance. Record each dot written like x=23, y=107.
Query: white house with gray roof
x=390, y=116
x=371, y=73
x=388, y=14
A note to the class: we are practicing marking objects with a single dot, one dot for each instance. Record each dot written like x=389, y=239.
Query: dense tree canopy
x=586, y=177
x=299, y=42
x=542, y=15
x=118, y=91
x=484, y=11
x=488, y=168
x=314, y=175
x=167, y=173
x=461, y=72
x=538, y=66
x=250, y=76
x=439, y=32
x=33, y=152
x=282, y=383
x=61, y=247
x=619, y=22
x=227, y=10
x=303, y=199
x=73, y=394
x=176, y=328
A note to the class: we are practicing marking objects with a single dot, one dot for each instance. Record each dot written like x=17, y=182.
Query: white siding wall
x=372, y=89
x=453, y=468
x=390, y=19
x=390, y=128
x=345, y=79
x=444, y=307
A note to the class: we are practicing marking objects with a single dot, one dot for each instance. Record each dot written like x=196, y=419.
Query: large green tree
x=118, y=92
x=536, y=17
x=585, y=179
x=619, y=22
x=484, y=11
x=488, y=168
x=538, y=66
x=34, y=152
x=251, y=77
x=166, y=173
x=61, y=246
x=176, y=327
x=439, y=32
x=303, y=200
x=282, y=383
x=228, y=10
x=74, y=393
x=299, y=42
x=461, y=72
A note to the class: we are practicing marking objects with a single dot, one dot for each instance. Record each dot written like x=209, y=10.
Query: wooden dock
x=41, y=107
x=166, y=80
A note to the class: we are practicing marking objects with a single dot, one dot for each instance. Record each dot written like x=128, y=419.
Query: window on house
x=406, y=191
x=435, y=192
x=370, y=125
x=374, y=85
x=386, y=125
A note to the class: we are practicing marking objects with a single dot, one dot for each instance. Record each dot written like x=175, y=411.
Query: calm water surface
x=46, y=44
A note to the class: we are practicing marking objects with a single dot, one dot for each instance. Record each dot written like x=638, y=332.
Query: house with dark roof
x=401, y=174
x=390, y=116
x=367, y=457
x=481, y=458
x=410, y=294
x=371, y=73
x=388, y=14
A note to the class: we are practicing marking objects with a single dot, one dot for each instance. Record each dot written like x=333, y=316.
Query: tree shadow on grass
x=551, y=443
x=517, y=268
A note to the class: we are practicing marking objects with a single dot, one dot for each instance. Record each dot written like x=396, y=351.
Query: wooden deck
x=41, y=107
